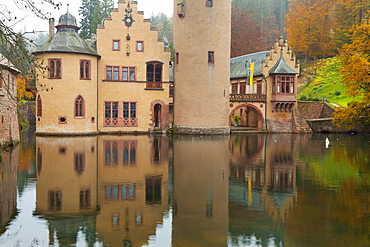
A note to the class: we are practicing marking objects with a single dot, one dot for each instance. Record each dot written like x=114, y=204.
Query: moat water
x=238, y=190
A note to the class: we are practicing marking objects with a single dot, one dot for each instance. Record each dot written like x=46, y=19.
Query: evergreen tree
x=92, y=13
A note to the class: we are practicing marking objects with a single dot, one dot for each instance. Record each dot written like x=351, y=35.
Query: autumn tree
x=22, y=93
x=310, y=28
x=246, y=34
x=92, y=13
x=356, y=76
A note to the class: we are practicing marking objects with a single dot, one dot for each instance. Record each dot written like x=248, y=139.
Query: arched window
x=79, y=107
x=154, y=72
x=39, y=106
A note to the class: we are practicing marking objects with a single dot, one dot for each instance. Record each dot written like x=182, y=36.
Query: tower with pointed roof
x=66, y=98
x=202, y=66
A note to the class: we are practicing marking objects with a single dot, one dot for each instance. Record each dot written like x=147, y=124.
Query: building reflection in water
x=200, y=191
x=132, y=188
x=104, y=186
x=116, y=189
x=262, y=187
x=8, y=185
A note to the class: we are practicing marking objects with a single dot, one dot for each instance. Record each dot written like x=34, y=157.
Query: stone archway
x=251, y=116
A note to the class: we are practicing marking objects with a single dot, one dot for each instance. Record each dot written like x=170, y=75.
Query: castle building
x=202, y=33
x=267, y=99
x=121, y=80
x=117, y=82
x=9, y=129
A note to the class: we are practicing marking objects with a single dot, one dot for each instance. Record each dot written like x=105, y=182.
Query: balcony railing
x=247, y=97
x=153, y=84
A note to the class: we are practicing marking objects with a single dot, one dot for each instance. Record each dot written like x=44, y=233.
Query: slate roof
x=67, y=39
x=281, y=67
x=238, y=68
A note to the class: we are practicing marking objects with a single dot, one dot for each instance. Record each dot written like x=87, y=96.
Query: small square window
x=140, y=46
x=116, y=45
x=209, y=3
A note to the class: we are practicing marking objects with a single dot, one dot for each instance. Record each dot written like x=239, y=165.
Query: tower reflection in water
x=115, y=190
x=102, y=189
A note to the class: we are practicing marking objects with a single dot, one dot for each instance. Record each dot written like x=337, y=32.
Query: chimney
x=51, y=28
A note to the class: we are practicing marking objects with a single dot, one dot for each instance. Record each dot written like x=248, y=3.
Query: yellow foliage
x=21, y=89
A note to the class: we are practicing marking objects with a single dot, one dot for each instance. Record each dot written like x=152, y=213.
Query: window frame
x=142, y=46
x=118, y=42
x=79, y=107
x=211, y=57
x=128, y=75
x=55, y=68
x=39, y=106
x=85, y=69
x=209, y=3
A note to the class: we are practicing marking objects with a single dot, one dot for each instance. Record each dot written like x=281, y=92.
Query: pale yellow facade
x=58, y=96
x=128, y=54
x=78, y=94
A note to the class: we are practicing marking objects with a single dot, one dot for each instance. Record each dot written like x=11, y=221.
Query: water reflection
x=8, y=185
x=200, y=191
x=246, y=190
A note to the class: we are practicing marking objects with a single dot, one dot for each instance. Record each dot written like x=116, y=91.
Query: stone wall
x=279, y=125
x=326, y=125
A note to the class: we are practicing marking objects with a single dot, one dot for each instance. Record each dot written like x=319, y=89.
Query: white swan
x=327, y=142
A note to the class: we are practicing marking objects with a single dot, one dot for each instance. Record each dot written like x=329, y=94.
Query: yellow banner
x=250, y=74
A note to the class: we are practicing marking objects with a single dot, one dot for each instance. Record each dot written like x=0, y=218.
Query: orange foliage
x=356, y=76
x=310, y=27
x=21, y=89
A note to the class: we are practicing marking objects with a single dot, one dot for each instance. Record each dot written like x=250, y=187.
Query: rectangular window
x=110, y=153
x=55, y=68
x=211, y=57
x=116, y=45
x=85, y=66
x=209, y=3
x=129, y=110
x=128, y=74
x=1, y=81
x=283, y=84
x=139, y=46
x=111, y=109
x=242, y=87
x=115, y=73
x=234, y=88
x=128, y=192
x=129, y=153
x=177, y=57
x=55, y=200
x=109, y=71
x=85, y=198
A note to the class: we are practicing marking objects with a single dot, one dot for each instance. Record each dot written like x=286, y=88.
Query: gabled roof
x=282, y=67
x=6, y=63
x=238, y=64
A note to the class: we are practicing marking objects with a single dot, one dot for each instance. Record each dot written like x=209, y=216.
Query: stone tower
x=202, y=66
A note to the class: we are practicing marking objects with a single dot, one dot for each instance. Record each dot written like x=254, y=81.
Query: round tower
x=67, y=90
x=202, y=30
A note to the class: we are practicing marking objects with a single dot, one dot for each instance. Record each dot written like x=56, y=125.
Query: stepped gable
x=67, y=39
